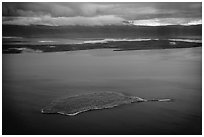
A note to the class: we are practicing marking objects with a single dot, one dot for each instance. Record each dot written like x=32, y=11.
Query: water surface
x=32, y=80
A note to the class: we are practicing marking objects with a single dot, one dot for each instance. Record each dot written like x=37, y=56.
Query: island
x=74, y=105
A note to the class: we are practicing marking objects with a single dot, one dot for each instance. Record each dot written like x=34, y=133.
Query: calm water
x=33, y=80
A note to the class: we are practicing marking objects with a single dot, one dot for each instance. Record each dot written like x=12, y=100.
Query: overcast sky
x=56, y=14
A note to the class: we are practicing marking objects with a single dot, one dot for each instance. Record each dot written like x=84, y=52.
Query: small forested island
x=74, y=105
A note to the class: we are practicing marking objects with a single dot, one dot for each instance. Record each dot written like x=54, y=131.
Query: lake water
x=33, y=80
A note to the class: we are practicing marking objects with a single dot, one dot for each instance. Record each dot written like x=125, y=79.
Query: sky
x=93, y=14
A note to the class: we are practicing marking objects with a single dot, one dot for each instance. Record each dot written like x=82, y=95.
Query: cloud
x=136, y=10
x=80, y=13
x=194, y=22
x=167, y=21
x=60, y=21
x=97, y=21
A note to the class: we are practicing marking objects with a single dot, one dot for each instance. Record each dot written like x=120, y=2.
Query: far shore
x=9, y=48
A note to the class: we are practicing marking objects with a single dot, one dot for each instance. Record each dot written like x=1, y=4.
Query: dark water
x=14, y=34
x=107, y=31
x=33, y=80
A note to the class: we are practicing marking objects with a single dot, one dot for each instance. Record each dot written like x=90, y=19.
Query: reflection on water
x=32, y=80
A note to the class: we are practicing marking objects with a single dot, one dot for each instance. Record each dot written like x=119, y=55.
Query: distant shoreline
x=115, y=45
